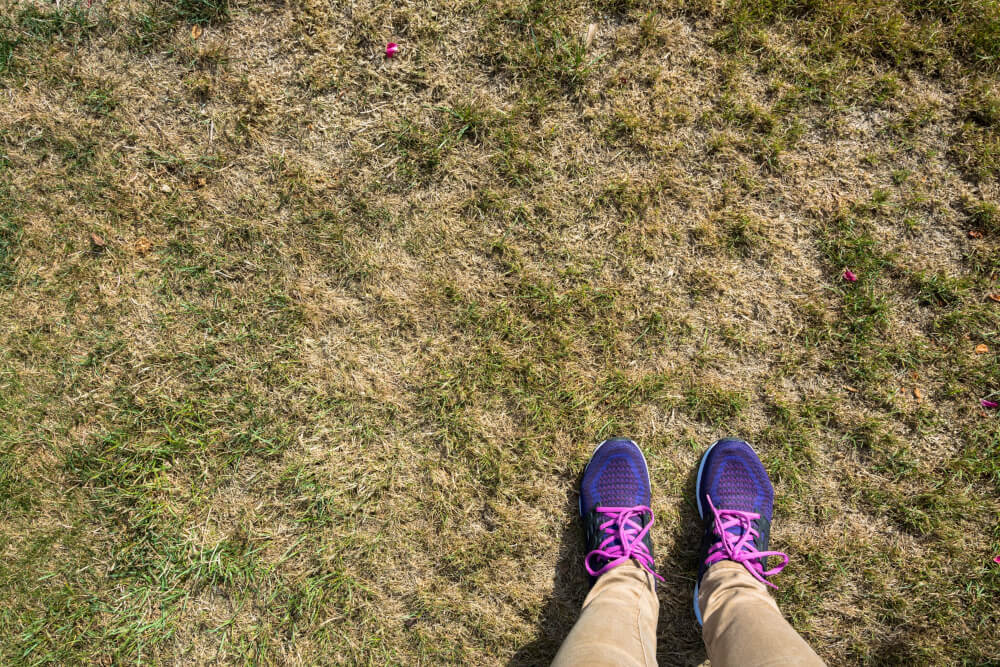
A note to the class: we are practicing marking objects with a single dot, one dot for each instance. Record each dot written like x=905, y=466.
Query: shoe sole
x=645, y=466
x=701, y=514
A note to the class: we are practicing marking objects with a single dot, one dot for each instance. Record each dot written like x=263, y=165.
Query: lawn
x=303, y=349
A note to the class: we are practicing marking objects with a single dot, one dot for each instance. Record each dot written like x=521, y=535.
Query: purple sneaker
x=735, y=501
x=614, y=507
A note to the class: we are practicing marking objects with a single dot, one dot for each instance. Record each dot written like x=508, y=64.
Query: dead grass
x=303, y=349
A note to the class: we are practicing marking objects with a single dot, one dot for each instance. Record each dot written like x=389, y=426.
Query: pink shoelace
x=740, y=548
x=624, y=540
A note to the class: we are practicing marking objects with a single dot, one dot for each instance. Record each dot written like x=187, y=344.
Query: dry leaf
x=995, y=297
x=917, y=394
x=98, y=241
x=975, y=234
x=196, y=31
x=850, y=389
x=982, y=349
x=143, y=245
x=165, y=188
x=591, y=33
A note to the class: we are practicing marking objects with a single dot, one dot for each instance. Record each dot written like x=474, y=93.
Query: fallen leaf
x=917, y=394
x=914, y=375
x=982, y=349
x=975, y=234
x=591, y=33
x=98, y=241
x=850, y=389
x=196, y=31
x=143, y=245
x=995, y=297
x=850, y=276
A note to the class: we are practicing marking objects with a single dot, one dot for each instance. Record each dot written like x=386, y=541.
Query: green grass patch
x=902, y=33
x=538, y=46
x=9, y=42
x=153, y=22
x=714, y=404
x=10, y=234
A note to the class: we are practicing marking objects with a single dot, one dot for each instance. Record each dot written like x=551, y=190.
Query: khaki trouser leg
x=742, y=623
x=618, y=623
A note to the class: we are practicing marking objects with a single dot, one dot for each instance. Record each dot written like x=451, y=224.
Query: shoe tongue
x=738, y=530
x=634, y=523
x=614, y=526
x=737, y=533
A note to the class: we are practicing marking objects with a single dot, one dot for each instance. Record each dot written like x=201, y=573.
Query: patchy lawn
x=302, y=350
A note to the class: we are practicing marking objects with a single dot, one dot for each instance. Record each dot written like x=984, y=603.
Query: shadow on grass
x=678, y=638
x=571, y=586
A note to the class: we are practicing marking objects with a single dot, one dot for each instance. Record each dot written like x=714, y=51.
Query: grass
x=302, y=350
x=9, y=235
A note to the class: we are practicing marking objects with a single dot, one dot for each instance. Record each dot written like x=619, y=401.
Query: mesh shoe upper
x=616, y=476
x=736, y=480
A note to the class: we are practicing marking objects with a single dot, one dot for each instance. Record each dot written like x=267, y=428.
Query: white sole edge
x=701, y=513
x=697, y=480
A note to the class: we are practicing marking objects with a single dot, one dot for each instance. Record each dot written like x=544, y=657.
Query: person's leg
x=618, y=623
x=741, y=623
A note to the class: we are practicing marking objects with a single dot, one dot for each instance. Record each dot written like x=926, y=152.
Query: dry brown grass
x=337, y=411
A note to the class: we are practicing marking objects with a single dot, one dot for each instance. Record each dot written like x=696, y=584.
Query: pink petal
x=391, y=49
x=989, y=404
x=997, y=559
x=850, y=276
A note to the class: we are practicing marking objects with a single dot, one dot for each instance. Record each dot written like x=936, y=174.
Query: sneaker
x=735, y=502
x=614, y=508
